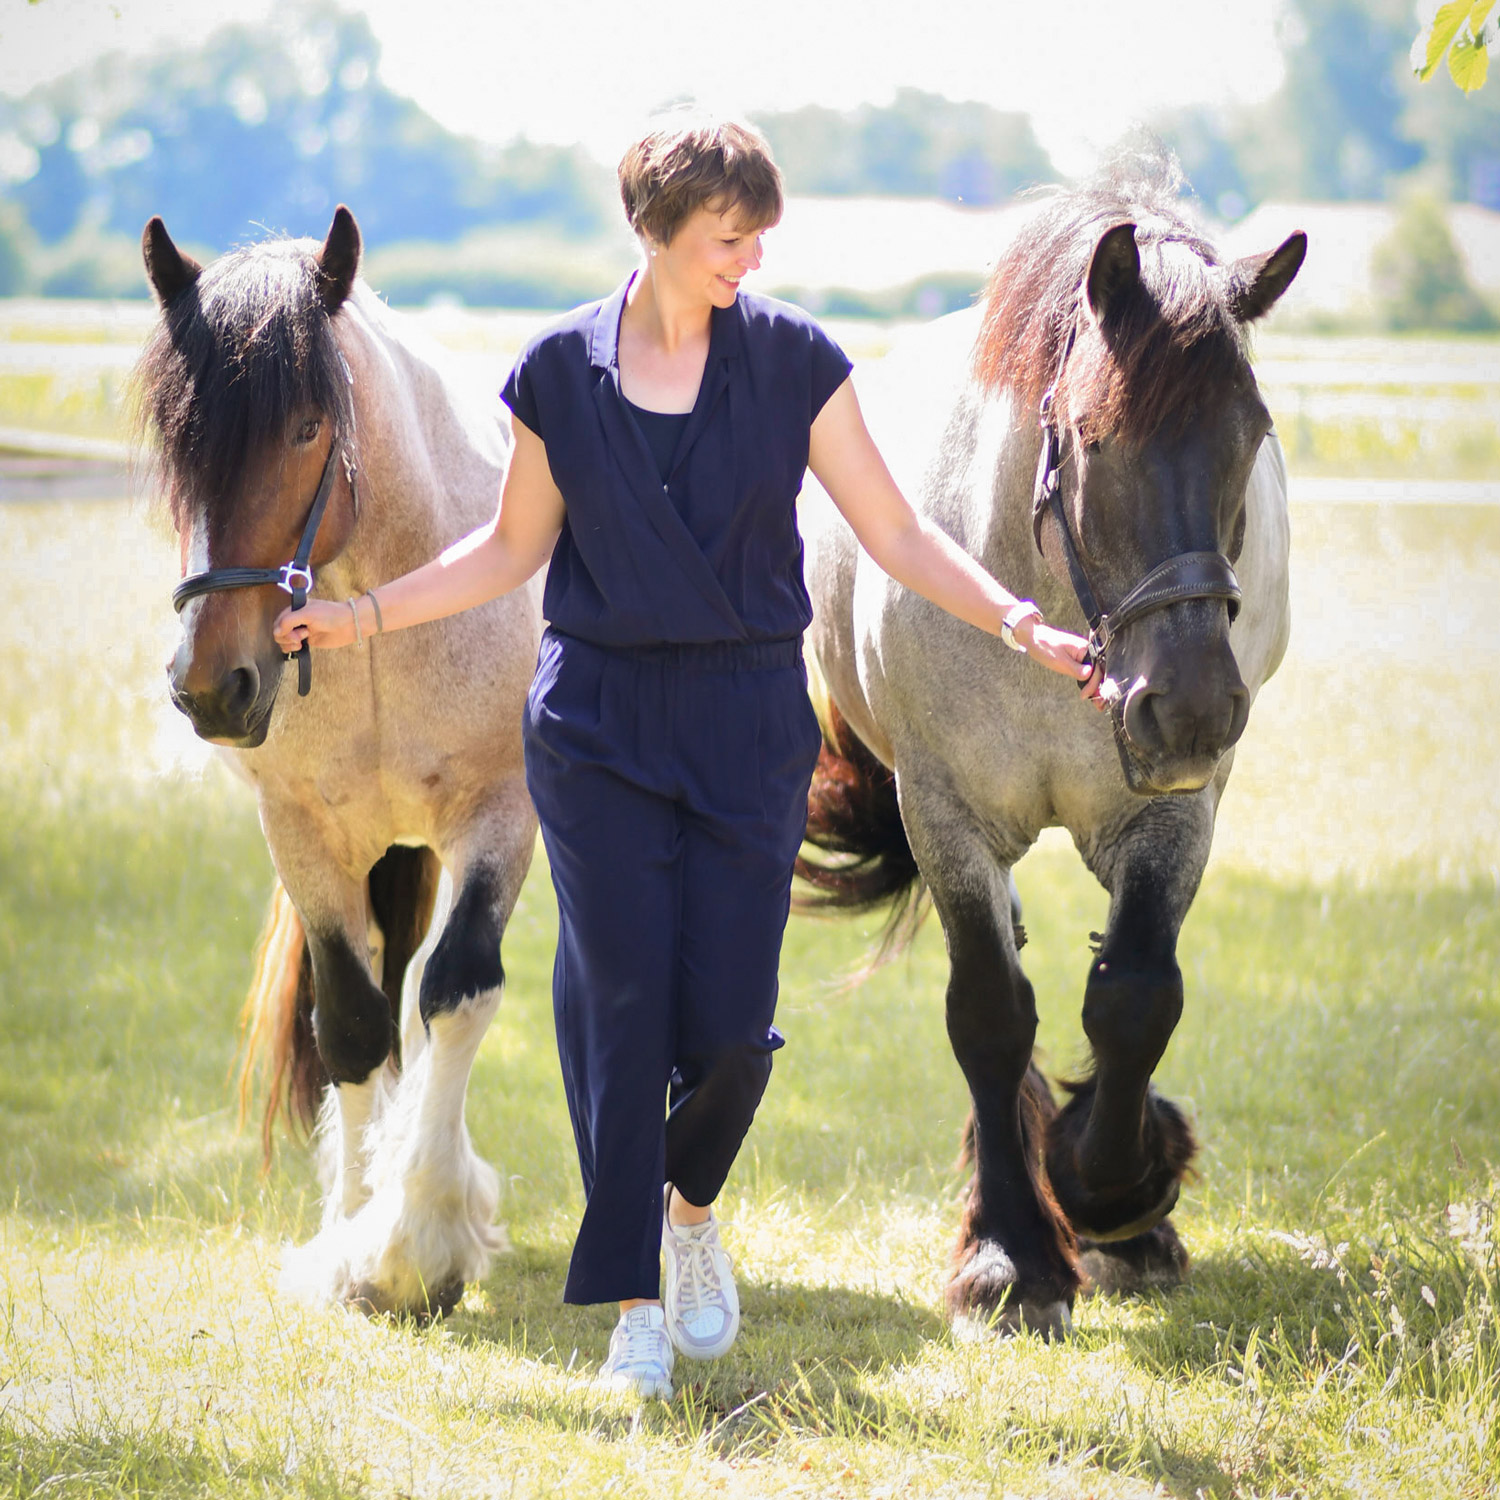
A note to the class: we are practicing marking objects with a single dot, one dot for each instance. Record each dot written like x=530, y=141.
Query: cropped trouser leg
x=671, y=914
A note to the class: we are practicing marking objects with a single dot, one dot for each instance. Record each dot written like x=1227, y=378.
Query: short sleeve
x=830, y=368
x=517, y=392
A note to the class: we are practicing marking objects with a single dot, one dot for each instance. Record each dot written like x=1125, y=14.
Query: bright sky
x=574, y=70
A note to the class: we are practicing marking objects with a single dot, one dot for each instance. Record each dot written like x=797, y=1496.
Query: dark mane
x=237, y=355
x=1173, y=343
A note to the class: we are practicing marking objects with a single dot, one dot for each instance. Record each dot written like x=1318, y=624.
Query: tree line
x=266, y=130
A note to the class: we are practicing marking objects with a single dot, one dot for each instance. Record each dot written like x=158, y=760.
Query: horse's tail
x=276, y=1030
x=856, y=856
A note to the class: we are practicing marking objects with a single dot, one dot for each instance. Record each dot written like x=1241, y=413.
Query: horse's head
x=1159, y=422
x=249, y=399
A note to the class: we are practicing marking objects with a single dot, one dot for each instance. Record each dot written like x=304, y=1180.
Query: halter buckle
x=295, y=576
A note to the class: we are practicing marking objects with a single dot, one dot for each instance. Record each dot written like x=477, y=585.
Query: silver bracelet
x=379, y=622
x=1022, y=609
x=359, y=635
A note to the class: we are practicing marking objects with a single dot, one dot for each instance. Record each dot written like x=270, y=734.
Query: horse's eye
x=309, y=429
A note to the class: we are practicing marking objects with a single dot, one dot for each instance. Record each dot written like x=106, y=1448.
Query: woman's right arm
x=488, y=562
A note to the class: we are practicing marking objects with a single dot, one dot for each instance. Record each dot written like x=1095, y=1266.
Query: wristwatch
x=1024, y=609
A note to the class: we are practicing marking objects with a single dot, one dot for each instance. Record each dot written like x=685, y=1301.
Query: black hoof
x=1154, y=1261
x=1130, y=1210
x=375, y=1302
x=445, y=1299
x=984, y=1299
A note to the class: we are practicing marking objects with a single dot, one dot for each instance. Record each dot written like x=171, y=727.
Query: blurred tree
x=1207, y=146
x=263, y=128
x=1335, y=129
x=17, y=246
x=1336, y=120
x=1419, y=278
x=918, y=146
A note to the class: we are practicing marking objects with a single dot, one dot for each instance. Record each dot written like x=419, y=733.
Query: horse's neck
x=430, y=464
x=993, y=503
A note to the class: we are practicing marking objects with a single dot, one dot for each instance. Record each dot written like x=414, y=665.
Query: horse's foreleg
x=1117, y=1152
x=353, y=1028
x=355, y=1034
x=429, y=1225
x=1014, y=1264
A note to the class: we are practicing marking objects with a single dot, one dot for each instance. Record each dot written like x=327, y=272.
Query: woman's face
x=708, y=255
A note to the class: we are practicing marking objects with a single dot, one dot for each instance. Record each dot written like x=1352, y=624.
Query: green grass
x=1339, y=1052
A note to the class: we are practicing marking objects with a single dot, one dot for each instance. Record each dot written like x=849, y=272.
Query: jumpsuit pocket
x=789, y=742
x=565, y=691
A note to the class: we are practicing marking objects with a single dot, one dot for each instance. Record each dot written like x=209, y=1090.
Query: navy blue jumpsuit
x=669, y=745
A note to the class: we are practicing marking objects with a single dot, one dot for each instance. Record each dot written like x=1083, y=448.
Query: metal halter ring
x=294, y=576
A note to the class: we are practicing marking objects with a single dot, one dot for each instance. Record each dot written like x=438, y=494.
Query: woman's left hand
x=1061, y=651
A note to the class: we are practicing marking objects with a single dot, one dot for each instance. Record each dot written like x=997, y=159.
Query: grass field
x=1394, y=408
x=1340, y=1055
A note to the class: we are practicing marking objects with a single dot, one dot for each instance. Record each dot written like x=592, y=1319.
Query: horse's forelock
x=1170, y=345
x=1170, y=350
x=233, y=360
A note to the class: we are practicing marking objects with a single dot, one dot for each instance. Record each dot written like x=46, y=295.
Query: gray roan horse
x=1167, y=475
x=279, y=385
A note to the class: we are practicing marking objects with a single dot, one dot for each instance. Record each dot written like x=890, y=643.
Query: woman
x=661, y=438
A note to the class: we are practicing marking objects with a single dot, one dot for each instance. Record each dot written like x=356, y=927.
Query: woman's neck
x=663, y=316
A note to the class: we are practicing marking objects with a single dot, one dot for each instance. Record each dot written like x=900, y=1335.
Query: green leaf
x=1477, y=12
x=1440, y=34
x=1468, y=62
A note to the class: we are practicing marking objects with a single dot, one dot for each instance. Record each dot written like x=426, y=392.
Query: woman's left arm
x=843, y=456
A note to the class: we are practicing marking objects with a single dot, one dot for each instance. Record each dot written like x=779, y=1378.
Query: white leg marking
x=351, y=1108
x=428, y=1225
x=413, y=1032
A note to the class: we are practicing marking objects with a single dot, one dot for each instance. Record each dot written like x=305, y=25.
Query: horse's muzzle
x=233, y=710
x=1172, y=734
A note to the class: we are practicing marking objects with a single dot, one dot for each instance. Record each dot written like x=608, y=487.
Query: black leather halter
x=1185, y=575
x=296, y=577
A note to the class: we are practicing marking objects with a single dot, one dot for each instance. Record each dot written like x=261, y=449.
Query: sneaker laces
x=699, y=1286
x=642, y=1341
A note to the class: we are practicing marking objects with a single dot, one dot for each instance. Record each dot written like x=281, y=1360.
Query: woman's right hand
x=320, y=622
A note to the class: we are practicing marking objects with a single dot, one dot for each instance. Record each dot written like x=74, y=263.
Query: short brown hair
x=689, y=162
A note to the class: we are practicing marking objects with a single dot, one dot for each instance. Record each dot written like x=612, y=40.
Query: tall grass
x=1339, y=1052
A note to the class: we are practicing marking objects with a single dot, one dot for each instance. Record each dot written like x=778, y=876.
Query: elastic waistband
x=707, y=656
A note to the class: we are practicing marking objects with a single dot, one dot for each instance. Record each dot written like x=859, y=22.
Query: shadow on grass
x=811, y=1363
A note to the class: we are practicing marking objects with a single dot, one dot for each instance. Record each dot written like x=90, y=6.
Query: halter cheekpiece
x=295, y=577
x=1185, y=575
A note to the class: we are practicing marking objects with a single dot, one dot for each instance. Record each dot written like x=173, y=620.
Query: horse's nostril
x=238, y=690
x=1142, y=728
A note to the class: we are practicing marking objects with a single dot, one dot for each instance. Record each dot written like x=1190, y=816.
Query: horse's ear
x=338, y=260
x=1256, y=281
x=1114, y=270
x=167, y=268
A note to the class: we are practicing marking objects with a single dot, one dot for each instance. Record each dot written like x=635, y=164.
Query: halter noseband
x=1185, y=575
x=296, y=576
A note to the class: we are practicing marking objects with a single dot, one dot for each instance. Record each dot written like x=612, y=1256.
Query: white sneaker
x=640, y=1355
x=703, y=1308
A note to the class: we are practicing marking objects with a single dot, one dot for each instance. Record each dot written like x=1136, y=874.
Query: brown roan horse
x=1163, y=526
x=276, y=382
